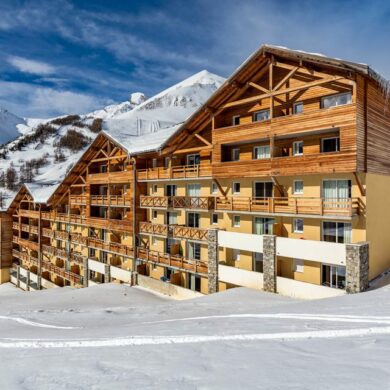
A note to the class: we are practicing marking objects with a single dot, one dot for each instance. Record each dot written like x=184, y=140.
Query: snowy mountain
x=9, y=124
x=39, y=146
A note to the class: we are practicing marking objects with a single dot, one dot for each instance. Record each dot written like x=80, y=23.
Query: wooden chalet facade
x=293, y=144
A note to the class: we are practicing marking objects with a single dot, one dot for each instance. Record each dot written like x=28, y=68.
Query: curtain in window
x=193, y=189
x=263, y=225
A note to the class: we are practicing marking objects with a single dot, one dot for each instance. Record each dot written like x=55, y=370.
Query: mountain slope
x=158, y=115
x=9, y=126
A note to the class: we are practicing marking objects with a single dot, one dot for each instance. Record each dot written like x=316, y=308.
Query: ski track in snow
x=11, y=343
x=36, y=324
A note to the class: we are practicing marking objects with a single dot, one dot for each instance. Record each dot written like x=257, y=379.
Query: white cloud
x=32, y=101
x=30, y=66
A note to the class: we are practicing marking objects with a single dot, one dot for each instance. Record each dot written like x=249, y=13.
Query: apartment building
x=293, y=145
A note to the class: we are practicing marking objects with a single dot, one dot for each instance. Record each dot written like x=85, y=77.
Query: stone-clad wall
x=357, y=266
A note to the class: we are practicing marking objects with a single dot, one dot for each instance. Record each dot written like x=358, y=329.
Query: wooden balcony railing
x=15, y=225
x=110, y=246
x=309, y=206
x=29, y=213
x=196, y=266
x=153, y=228
x=193, y=202
x=179, y=172
x=110, y=177
x=77, y=238
x=112, y=200
x=189, y=233
x=155, y=201
x=26, y=243
x=57, y=234
x=78, y=199
x=71, y=276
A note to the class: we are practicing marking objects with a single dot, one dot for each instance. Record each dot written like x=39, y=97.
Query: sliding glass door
x=336, y=193
x=333, y=276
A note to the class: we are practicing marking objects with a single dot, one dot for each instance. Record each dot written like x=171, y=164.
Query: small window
x=154, y=189
x=154, y=163
x=235, y=154
x=261, y=152
x=336, y=100
x=330, y=145
x=214, y=188
x=260, y=116
x=298, y=148
x=166, y=162
x=298, y=265
x=236, y=221
x=214, y=219
x=236, y=188
x=298, y=108
x=298, y=225
x=154, y=214
x=154, y=240
x=103, y=168
x=298, y=187
x=235, y=254
x=236, y=120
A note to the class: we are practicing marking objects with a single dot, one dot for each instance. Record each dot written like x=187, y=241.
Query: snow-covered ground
x=118, y=337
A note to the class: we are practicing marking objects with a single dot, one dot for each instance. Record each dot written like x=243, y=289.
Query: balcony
x=29, y=213
x=111, y=224
x=71, y=276
x=26, y=243
x=176, y=261
x=173, y=231
x=110, y=247
x=163, y=202
x=33, y=229
x=296, y=206
x=110, y=177
x=78, y=199
x=178, y=202
x=62, y=253
x=179, y=172
x=112, y=200
x=57, y=234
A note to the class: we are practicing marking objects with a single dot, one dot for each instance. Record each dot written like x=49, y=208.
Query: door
x=336, y=193
x=193, y=189
x=193, y=159
x=171, y=218
x=193, y=220
x=333, y=276
x=170, y=190
x=193, y=250
x=263, y=225
x=194, y=282
x=263, y=189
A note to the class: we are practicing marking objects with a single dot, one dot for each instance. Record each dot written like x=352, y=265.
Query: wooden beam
x=259, y=87
x=197, y=149
x=282, y=91
x=360, y=184
x=121, y=157
x=286, y=78
x=277, y=185
x=220, y=187
x=204, y=140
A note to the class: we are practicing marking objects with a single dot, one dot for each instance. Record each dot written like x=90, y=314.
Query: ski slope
x=118, y=337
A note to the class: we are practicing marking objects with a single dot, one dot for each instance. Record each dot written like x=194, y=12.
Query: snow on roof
x=40, y=193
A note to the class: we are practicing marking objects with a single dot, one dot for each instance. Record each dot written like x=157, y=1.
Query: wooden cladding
x=168, y=260
x=111, y=200
x=292, y=205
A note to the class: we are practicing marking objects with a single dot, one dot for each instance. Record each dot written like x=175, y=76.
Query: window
x=339, y=232
x=166, y=162
x=235, y=254
x=262, y=115
x=298, y=187
x=298, y=225
x=154, y=266
x=154, y=163
x=154, y=189
x=330, y=145
x=103, y=168
x=263, y=225
x=171, y=218
x=298, y=148
x=91, y=252
x=336, y=100
x=236, y=188
x=154, y=240
x=236, y=221
x=236, y=120
x=333, y=276
x=193, y=189
x=235, y=154
x=170, y=190
x=298, y=108
x=257, y=262
x=214, y=188
x=154, y=214
x=193, y=250
x=260, y=152
x=298, y=265
x=214, y=219
x=193, y=159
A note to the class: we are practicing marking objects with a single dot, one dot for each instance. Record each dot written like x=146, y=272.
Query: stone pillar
x=269, y=263
x=357, y=267
x=212, y=241
x=18, y=276
x=28, y=281
x=86, y=273
x=107, y=273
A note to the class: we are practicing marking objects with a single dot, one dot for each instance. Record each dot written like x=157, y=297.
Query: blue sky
x=67, y=56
